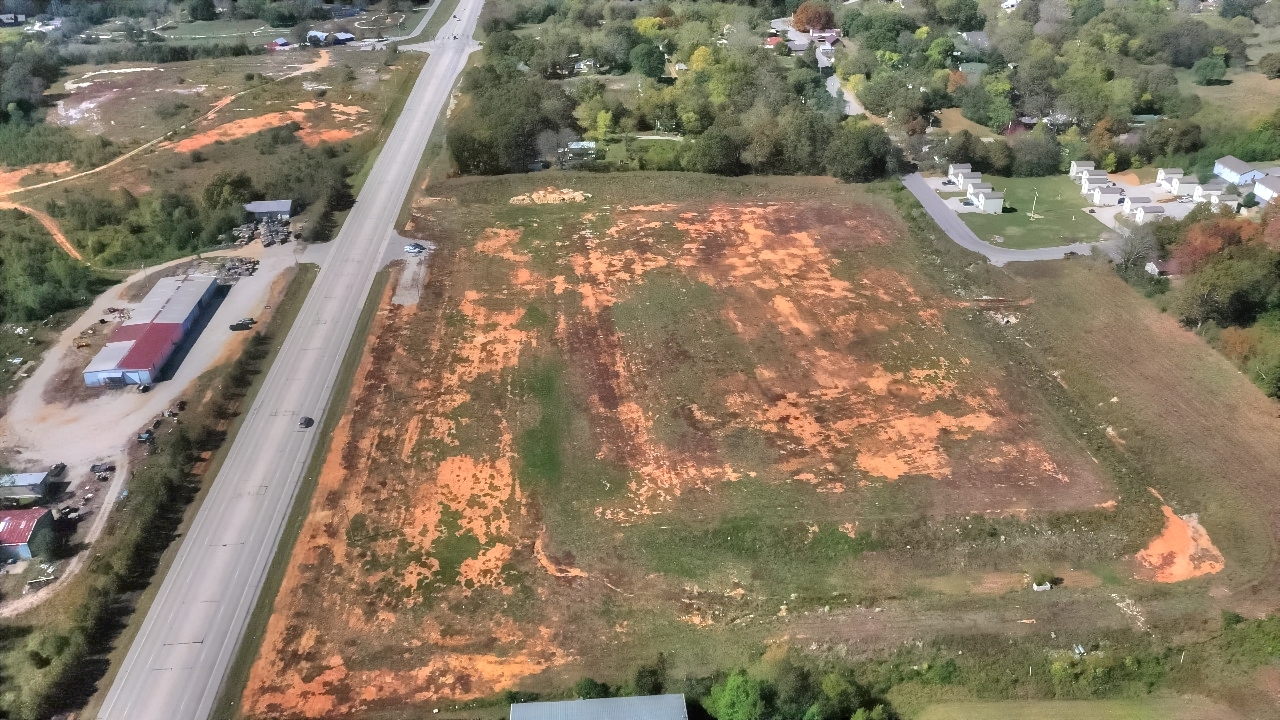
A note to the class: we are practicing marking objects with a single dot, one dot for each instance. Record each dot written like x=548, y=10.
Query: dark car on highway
x=306, y=422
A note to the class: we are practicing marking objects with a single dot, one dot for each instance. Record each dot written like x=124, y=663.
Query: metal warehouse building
x=141, y=345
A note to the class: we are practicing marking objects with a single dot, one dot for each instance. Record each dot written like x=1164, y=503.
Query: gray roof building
x=270, y=208
x=24, y=486
x=646, y=707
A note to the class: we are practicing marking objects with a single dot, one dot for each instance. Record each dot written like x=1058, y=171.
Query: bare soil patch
x=590, y=402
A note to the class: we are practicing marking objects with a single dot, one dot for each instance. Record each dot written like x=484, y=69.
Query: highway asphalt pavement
x=176, y=666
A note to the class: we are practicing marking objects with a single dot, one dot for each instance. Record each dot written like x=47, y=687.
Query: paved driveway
x=954, y=227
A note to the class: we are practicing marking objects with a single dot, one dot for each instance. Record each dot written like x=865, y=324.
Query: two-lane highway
x=175, y=668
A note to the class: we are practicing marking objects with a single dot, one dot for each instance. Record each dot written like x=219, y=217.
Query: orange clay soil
x=1182, y=551
x=12, y=179
x=49, y=224
x=420, y=536
x=304, y=114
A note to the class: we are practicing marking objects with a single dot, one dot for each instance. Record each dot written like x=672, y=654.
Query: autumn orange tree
x=813, y=16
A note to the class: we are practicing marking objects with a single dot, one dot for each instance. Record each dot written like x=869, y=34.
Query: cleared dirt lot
x=670, y=418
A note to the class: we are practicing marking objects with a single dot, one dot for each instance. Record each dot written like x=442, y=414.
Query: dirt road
x=49, y=224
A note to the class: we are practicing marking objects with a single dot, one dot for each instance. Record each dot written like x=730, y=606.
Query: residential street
x=954, y=227
x=176, y=666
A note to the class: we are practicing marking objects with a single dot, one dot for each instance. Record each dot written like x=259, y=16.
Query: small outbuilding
x=17, y=527
x=317, y=37
x=643, y=707
x=342, y=38
x=1236, y=171
x=24, y=487
x=270, y=209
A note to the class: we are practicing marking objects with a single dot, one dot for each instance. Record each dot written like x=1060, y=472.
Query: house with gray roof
x=644, y=707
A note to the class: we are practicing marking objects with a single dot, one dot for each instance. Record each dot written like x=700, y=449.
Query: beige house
x=1107, y=195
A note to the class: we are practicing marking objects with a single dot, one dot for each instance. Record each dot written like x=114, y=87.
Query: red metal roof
x=152, y=347
x=125, y=333
x=16, y=526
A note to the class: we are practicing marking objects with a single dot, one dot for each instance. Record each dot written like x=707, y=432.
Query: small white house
x=1236, y=171
x=1267, y=188
x=1208, y=190
x=1185, y=185
x=974, y=188
x=1107, y=195
x=1131, y=203
x=1079, y=166
x=965, y=179
x=1165, y=176
x=1088, y=183
x=1217, y=202
x=1147, y=212
x=956, y=170
x=990, y=202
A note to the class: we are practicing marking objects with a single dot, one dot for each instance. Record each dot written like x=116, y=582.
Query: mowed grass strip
x=1056, y=198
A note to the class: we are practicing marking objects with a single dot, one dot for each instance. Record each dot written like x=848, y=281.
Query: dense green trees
x=36, y=277
x=495, y=129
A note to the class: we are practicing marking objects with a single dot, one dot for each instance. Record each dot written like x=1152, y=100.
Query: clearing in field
x=1062, y=209
x=660, y=418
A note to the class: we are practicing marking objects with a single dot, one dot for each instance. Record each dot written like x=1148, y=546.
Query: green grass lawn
x=1144, y=709
x=1059, y=201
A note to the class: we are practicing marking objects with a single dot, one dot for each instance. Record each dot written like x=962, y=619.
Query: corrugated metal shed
x=283, y=207
x=16, y=526
x=22, y=479
x=647, y=707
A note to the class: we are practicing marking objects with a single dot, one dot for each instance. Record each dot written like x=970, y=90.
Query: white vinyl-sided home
x=955, y=170
x=1078, y=167
x=990, y=202
x=1217, y=186
x=1146, y=213
x=1231, y=202
x=1089, y=182
x=965, y=179
x=1131, y=203
x=972, y=191
x=1107, y=195
x=1165, y=176
x=1185, y=185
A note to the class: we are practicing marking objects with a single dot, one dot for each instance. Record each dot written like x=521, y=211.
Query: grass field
x=1248, y=96
x=1055, y=197
x=706, y=416
x=1182, y=708
x=953, y=122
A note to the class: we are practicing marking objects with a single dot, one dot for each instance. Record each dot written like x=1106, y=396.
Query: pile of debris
x=550, y=196
x=236, y=267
